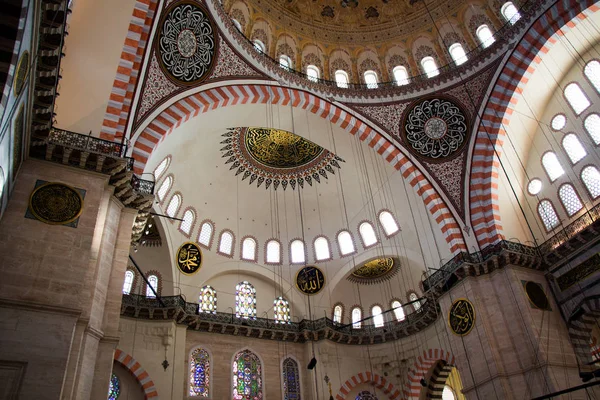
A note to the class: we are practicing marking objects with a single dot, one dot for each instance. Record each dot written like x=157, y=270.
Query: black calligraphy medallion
x=56, y=203
x=461, y=317
x=310, y=280
x=189, y=258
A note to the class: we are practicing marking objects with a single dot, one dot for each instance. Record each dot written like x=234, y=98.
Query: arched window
x=291, y=380
x=366, y=395
x=367, y=234
x=356, y=317
x=377, y=315
x=260, y=46
x=591, y=179
x=485, y=36
x=558, y=122
x=338, y=312
x=164, y=188
x=341, y=78
x=552, y=166
x=281, y=311
x=127, y=285
x=285, y=61
x=245, y=300
x=592, y=72
x=400, y=75
x=174, y=204
x=548, y=215
x=226, y=243
x=534, y=186
x=510, y=12
x=371, y=79
x=162, y=167
x=208, y=300
x=448, y=393
x=388, y=223
x=398, y=310
x=189, y=216
x=273, y=255
x=569, y=199
x=153, y=284
x=322, y=249
x=206, y=232
x=249, y=249
x=345, y=243
x=458, y=53
x=573, y=148
x=237, y=24
x=591, y=125
x=114, y=387
x=430, y=67
x=576, y=98
x=247, y=376
x=297, y=252
x=199, y=373
x=312, y=73
x=414, y=299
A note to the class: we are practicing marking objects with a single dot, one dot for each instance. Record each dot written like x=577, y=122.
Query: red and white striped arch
x=236, y=94
x=483, y=191
x=423, y=363
x=138, y=372
x=368, y=377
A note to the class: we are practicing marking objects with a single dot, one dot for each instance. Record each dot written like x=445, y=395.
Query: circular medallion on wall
x=435, y=128
x=21, y=73
x=461, y=317
x=186, y=43
x=375, y=271
x=56, y=203
x=310, y=280
x=536, y=295
x=189, y=258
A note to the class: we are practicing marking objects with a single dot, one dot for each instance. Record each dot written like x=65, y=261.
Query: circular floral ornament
x=56, y=203
x=435, y=128
x=187, y=43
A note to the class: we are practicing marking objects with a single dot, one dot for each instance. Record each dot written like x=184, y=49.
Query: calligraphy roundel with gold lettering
x=310, y=280
x=461, y=317
x=189, y=258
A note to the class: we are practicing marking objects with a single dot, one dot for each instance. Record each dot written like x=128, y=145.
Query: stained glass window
x=356, y=317
x=366, y=395
x=245, y=301
x=199, y=373
x=591, y=178
x=345, y=243
x=226, y=243
x=291, y=380
x=247, y=376
x=153, y=281
x=569, y=199
x=208, y=300
x=281, y=311
x=114, y=388
x=548, y=214
x=128, y=281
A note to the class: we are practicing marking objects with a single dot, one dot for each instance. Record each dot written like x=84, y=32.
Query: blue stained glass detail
x=114, y=388
x=291, y=380
x=199, y=373
x=366, y=395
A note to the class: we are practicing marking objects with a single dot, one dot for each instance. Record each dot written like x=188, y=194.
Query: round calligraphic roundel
x=461, y=317
x=56, y=203
x=189, y=258
x=310, y=280
x=187, y=43
x=435, y=128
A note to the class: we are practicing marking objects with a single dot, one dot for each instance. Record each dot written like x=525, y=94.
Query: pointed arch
x=376, y=379
x=580, y=326
x=139, y=373
x=423, y=363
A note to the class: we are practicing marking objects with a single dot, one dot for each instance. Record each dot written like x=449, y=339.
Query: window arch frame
x=512, y=20
x=249, y=237
x=212, y=233
x=313, y=67
x=341, y=305
x=262, y=369
x=168, y=160
x=287, y=311
x=251, y=315
x=371, y=73
x=588, y=132
x=360, y=235
x=280, y=253
x=562, y=203
x=192, y=225
x=173, y=196
x=571, y=107
x=537, y=209
x=314, y=244
x=232, y=243
x=288, y=59
x=562, y=143
x=210, y=366
x=392, y=301
x=299, y=377
x=201, y=301
x=132, y=285
x=401, y=68
x=585, y=184
x=360, y=322
x=546, y=169
x=433, y=73
x=171, y=178
x=596, y=88
x=410, y=293
x=259, y=45
x=374, y=318
x=305, y=255
x=352, y=241
x=458, y=60
x=381, y=212
x=158, y=283
x=343, y=85
x=482, y=42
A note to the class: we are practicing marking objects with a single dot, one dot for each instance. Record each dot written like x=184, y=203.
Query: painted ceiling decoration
x=276, y=157
x=375, y=271
x=435, y=128
x=187, y=43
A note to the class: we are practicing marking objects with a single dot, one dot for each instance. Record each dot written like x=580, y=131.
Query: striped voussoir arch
x=211, y=99
x=580, y=328
x=368, y=377
x=483, y=192
x=423, y=363
x=138, y=372
x=121, y=95
x=438, y=378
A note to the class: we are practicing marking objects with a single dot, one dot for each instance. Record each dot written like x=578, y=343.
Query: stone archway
x=423, y=363
x=368, y=377
x=139, y=373
x=580, y=327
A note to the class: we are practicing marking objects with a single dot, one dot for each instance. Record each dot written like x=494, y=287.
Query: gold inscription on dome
x=277, y=148
x=375, y=268
x=56, y=203
x=461, y=317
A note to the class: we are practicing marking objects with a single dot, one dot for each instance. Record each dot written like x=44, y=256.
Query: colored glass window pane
x=247, y=376
x=208, y=300
x=291, y=380
x=199, y=373
x=114, y=388
x=245, y=300
x=281, y=311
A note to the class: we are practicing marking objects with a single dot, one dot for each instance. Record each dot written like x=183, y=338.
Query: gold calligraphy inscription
x=375, y=268
x=461, y=317
x=56, y=203
x=310, y=280
x=189, y=258
x=277, y=148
